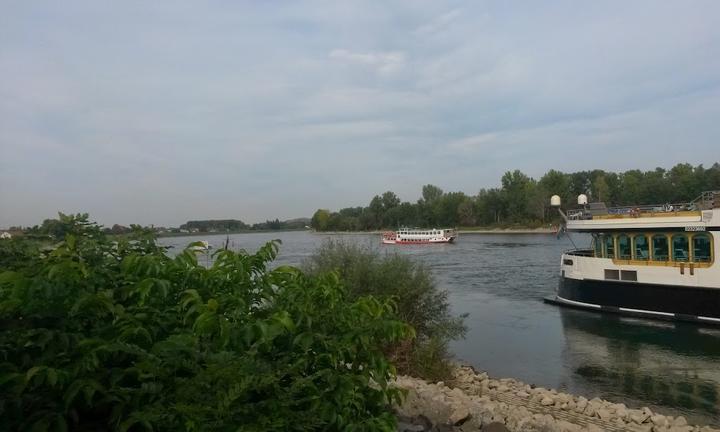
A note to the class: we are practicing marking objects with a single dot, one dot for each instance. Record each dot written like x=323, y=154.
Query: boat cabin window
x=623, y=247
x=610, y=246
x=693, y=247
x=701, y=248
x=598, y=245
x=641, y=248
x=680, y=247
x=660, y=247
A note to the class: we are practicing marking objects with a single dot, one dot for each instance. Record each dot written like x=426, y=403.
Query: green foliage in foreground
x=411, y=286
x=101, y=335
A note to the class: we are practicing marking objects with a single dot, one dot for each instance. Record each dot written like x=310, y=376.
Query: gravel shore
x=473, y=402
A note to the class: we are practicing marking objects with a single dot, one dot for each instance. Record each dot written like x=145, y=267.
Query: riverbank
x=508, y=231
x=473, y=401
x=225, y=233
x=479, y=230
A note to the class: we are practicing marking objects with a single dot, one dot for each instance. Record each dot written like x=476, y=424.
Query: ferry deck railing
x=705, y=201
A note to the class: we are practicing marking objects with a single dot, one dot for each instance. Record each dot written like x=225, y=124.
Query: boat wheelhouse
x=419, y=236
x=653, y=261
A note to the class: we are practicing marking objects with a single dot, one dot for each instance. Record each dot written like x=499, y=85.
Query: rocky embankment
x=474, y=402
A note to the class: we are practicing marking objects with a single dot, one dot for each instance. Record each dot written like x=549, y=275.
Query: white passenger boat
x=419, y=236
x=652, y=261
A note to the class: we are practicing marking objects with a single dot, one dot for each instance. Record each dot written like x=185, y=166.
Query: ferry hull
x=418, y=242
x=649, y=300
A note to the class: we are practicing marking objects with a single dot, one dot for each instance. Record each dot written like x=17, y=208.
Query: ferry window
x=641, y=247
x=701, y=248
x=610, y=246
x=660, y=247
x=612, y=274
x=624, y=249
x=680, y=247
x=628, y=275
x=599, y=246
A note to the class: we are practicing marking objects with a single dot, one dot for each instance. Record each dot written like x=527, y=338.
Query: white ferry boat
x=650, y=261
x=419, y=236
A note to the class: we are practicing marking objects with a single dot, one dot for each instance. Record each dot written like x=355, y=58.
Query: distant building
x=5, y=235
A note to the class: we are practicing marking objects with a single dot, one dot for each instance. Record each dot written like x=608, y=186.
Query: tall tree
x=517, y=188
x=320, y=220
x=431, y=193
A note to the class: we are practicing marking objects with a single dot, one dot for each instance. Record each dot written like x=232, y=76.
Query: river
x=500, y=280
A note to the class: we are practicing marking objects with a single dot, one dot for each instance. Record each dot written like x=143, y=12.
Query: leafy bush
x=419, y=302
x=116, y=335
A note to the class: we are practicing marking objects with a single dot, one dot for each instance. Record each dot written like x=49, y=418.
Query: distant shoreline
x=542, y=231
x=226, y=233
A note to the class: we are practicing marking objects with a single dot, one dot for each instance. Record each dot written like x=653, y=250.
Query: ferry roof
x=701, y=214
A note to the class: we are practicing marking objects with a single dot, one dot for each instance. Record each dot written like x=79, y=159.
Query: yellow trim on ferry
x=650, y=215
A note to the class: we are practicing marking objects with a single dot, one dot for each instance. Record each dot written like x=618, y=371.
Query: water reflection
x=645, y=362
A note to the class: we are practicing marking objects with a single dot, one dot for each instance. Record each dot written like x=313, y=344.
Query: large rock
x=459, y=415
x=642, y=416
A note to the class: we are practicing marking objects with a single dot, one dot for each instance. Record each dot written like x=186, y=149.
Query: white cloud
x=440, y=23
x=383, y=62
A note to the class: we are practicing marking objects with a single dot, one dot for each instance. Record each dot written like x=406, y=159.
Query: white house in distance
x=5, y=235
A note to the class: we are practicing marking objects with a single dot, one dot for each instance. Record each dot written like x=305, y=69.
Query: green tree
x=517, y=188
x=116, y=335
x=466, y=212
x=600, y=188
x=431, y=193
x=320, y=220
x=631, y=187
x=390, y=201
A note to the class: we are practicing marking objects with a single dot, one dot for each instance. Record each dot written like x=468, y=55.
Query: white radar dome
x=555, y=201
x=582, y=199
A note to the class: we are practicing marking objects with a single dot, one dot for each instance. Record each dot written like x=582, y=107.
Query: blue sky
x=160, y=112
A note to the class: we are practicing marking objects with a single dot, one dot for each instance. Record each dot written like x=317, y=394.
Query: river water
x=500, y=280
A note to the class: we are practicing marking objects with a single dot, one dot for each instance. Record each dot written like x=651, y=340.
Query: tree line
x=55, y=228
x=522, y=200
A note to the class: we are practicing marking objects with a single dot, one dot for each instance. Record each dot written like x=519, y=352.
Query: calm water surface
x=500, y=280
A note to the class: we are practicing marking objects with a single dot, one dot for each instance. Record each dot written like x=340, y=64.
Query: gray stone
x=622, y=413
x=414, y=424
x=565, y=426
x=641, y=416
x=459, y=415
x=457, y=393
x=581, y=404
x=679, y=421
x=680, y=429
x=495, y=427
x=604, y=414
x=659, y=420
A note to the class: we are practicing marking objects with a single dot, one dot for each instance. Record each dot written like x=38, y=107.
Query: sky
x=163, y=112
